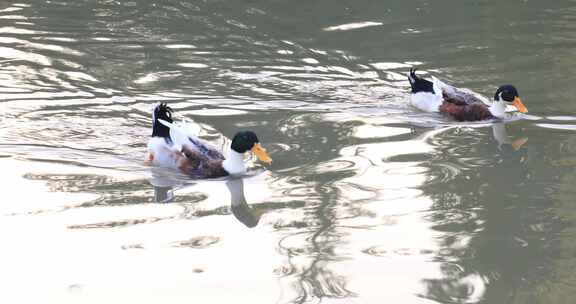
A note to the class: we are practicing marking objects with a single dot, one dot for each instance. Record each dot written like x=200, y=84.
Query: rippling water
x=367, y=201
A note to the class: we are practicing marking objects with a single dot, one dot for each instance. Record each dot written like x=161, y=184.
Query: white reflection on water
x=352, y=26
x=390, y=218
x=67, y=244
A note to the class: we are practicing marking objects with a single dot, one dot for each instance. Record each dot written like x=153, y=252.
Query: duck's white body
x=161, y=153
x=428, y=101
x=181, y=134
x=177, y=146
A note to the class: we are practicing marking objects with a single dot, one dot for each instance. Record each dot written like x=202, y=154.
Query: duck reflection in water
x=165, y=182
x=242, y=211
x=505, y=144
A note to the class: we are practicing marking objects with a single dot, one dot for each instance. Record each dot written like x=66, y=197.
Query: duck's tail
x=419, y=84
x=163, y=112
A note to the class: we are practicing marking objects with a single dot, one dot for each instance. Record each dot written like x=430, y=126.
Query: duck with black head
x=437, y=96
x=176, y=145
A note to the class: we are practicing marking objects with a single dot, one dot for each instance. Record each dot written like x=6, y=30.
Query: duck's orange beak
x=261, y=154
x=519, y=105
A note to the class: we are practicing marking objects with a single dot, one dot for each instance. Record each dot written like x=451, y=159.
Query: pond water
x=368, y=200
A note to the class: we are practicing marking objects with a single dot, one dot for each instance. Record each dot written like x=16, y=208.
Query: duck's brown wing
x=459, y=97
x=206, y=149
x=197, y=164
x=468, y=112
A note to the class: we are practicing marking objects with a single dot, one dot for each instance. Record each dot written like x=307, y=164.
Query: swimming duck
x=177, y=146
x=436, y=96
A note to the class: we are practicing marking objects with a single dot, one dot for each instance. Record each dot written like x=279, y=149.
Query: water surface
x=368, y=200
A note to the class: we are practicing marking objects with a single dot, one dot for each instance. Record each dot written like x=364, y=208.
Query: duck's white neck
x=498, y=108
x=234, y=163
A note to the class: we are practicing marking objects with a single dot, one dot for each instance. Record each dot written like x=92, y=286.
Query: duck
x=461, y=104
x=176, y=145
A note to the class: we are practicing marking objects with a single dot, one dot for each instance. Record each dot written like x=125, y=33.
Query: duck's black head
x=509, y=94
x=245, y=141
x=506, y=92
x=164, y=112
